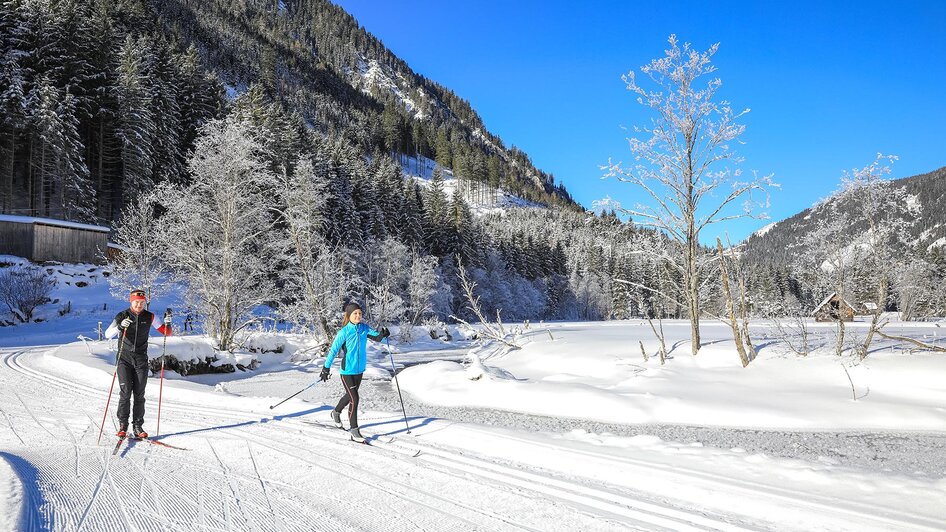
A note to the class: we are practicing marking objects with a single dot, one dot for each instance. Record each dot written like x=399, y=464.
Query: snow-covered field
x=575, y=431
x=252, y=468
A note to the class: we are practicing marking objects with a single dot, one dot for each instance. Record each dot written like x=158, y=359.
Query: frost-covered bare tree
x=682, y=161
x=736, y=309
x=826, y=262
x=316, y=277
x=220, y=229
x=489, y=330
x=141, y=262
x=889, y=213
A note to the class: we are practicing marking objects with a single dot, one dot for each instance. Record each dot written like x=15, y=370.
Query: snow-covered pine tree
x=136, y=126
x=460, y=232
x=164, y=95
x=315, y=277
x=436, y=212
x=63, y=187
x=411, y=216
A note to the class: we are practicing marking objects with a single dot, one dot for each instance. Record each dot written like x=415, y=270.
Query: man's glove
x=167, y=319
x=125, y=323
x=324, y=375
x=384, y=332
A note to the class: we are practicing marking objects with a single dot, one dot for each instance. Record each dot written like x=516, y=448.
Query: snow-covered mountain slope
x=776, y=242
x=421, y=169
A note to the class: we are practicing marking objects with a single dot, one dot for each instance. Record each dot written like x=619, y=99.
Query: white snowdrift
x=596, y=371
x=11, y=497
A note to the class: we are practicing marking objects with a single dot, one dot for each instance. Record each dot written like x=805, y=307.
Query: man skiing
x=135, y=326
x=351, y=342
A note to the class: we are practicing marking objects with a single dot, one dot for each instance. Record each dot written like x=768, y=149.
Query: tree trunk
x=874, y=327
x=29, y=179
x=730, y=307
x=100, y=187
x=9, y=203
x=692, y=282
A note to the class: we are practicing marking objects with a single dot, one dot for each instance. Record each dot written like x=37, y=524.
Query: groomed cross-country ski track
x=244, y=470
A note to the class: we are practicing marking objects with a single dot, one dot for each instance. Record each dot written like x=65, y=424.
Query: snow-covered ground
x=575, y=431
x=481, y=466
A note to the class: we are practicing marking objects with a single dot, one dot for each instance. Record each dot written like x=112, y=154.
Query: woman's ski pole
x=118, y=358
x=167, y=314
x=293, y=395
x=394, y=372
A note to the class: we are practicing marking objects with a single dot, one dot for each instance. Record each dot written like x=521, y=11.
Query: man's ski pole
x=167, y=314
x=394, y=372
x=293, y=395
x=121, y=342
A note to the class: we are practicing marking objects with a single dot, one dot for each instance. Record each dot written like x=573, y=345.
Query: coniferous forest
x=104, y=105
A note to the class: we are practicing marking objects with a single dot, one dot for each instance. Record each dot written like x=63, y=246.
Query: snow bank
x=595, y=371
x=11, y=496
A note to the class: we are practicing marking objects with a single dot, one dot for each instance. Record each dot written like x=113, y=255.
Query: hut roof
x=50, y=221
x=829, y=298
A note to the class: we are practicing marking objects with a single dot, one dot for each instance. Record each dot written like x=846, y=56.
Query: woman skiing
x=351, y=341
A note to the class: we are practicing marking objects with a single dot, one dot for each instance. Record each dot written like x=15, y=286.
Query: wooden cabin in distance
x=45, y=239
x=834, y=308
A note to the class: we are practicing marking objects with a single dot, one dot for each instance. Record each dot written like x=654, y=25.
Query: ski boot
x=122, y=430
x=356, y=435
x=139, y=432
x=337, y=419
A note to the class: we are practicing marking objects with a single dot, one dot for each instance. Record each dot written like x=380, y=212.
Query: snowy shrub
x=23, y=289
x=140, y=264
x=437, y=329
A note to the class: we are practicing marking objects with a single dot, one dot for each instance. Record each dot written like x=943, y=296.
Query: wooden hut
x=44, y=239
x=834, y=308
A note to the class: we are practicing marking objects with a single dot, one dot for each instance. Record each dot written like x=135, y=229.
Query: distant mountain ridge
x=315, y=57
x=100, y=101
x=776, y=243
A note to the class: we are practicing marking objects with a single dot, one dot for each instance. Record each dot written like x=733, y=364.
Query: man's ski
x=161, y=443
x=118, y=445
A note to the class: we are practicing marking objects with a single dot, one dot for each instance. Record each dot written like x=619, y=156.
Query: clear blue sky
x=830, y=84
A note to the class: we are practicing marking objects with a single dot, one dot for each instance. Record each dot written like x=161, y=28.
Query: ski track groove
x=462, y=474
x=792, y=497
x=30, y=412
x=155, y=492
x=95, y=492
x=262, y=485
x=617, y=506
x=122, y=508
x=394, y=491
x=13, y=430
x=472, y=468
x=75, y=445
x=181, y=496
x=239, y=498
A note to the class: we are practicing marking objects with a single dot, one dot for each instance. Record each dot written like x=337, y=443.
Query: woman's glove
x=324, y=375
